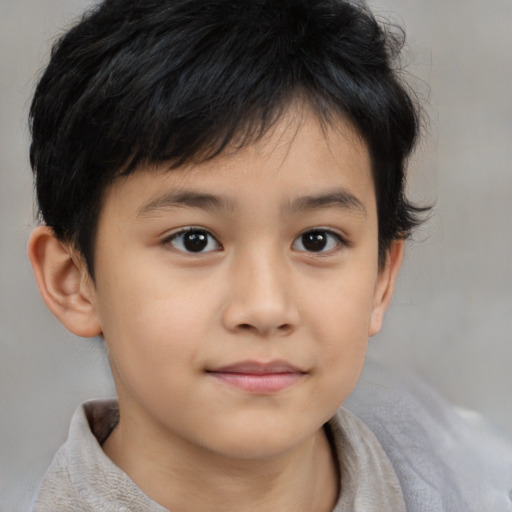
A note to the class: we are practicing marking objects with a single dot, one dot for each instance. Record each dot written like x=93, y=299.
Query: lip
x=257, y=377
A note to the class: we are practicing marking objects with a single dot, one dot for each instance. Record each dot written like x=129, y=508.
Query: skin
x=173, y=319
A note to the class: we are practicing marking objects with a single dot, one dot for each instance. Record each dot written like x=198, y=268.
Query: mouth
x=259, y=378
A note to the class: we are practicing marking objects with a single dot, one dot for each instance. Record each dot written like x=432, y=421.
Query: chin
x=261, y=441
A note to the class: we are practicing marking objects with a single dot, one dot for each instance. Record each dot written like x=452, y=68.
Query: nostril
x=283, y=328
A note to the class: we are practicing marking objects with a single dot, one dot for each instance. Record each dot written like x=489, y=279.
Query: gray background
x=451, y=321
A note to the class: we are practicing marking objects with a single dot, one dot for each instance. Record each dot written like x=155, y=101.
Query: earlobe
x=386, y=285
x=63, y=283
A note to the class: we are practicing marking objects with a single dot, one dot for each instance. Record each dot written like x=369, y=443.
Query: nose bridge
x=266, y=275
x=260, y=297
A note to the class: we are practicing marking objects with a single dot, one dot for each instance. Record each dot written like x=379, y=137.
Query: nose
x=261, y=299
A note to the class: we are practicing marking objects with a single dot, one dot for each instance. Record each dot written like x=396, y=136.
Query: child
x=221, y=185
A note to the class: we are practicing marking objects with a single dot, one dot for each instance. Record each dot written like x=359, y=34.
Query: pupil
x=314, y=241
x=195, y=241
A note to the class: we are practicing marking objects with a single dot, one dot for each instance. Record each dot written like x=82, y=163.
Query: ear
x=385, y=285
x=64, y=282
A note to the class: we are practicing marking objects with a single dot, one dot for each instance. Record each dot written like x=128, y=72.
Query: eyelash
x=333, y=240
x=198, y=232
x=203, y=238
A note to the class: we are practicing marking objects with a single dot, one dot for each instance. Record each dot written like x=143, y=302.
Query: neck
x=184, y=478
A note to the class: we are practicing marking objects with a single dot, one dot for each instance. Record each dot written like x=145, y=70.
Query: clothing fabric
x=446, y=460
x=82, y=478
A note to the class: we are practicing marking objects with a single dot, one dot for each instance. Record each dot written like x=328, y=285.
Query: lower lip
x=266, y=383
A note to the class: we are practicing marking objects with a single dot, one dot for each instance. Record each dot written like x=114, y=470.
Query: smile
x=259, y=378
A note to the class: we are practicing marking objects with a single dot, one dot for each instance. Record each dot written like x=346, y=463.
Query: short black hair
x=177, y=81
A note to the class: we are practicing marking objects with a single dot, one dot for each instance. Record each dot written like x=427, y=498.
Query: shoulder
x=81, y=477
x=443, y=461
x=58, y=490
x=55, y=491
x=368, y=480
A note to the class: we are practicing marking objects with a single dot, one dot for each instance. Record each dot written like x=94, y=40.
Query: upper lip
x=258, y=368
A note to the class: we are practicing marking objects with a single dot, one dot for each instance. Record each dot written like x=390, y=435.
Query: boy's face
x=236, y=297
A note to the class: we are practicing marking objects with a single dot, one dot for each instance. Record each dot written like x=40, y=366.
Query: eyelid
x=341, y=240
x=168, y=239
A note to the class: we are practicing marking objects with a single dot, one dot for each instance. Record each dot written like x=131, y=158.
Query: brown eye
x=194, y=241
x=317, y=240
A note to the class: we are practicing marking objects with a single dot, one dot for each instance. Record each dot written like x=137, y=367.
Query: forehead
x=298, y=157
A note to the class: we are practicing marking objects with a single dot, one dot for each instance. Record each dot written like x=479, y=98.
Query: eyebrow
x=340, y=198
x=188, y=199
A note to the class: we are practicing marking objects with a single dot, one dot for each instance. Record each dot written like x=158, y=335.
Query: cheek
x=341, y=308
x=153, y=327
x=340, y=316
